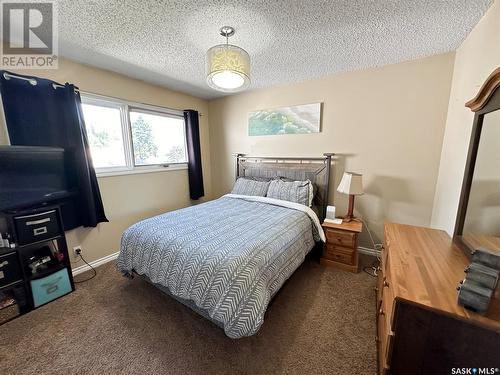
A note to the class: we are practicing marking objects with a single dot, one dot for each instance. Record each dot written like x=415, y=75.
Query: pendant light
x=228, y=66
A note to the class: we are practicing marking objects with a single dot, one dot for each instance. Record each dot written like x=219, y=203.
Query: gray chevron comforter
x=228, y=256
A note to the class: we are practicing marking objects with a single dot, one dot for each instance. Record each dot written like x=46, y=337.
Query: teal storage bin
x=50, y=287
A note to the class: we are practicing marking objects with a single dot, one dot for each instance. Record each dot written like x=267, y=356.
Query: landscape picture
x=299, y=119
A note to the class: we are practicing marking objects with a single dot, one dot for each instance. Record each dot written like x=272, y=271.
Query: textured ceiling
x=164, y=41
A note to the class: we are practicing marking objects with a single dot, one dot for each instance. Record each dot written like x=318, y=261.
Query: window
x=157, y=138
x=129, y=137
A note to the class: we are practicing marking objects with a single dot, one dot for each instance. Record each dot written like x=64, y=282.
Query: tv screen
x=31, y=175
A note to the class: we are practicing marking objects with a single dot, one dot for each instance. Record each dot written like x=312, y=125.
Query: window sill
x=141, y=170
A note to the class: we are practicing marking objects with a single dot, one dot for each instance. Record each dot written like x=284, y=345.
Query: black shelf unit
x=35, y=234
x=47, y=272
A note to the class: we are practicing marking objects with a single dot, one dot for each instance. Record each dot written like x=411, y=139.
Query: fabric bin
x=10, y=272
x=50, y=287
x=37, y=227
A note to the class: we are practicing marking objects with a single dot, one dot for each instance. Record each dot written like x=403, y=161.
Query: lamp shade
x=351, y=184
x=228, y=68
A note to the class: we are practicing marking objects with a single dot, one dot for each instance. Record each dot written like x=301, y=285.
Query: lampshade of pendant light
x=228, y=66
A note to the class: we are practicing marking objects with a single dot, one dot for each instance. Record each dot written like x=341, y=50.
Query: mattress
x=226, y=258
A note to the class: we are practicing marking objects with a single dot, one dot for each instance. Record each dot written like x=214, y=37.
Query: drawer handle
x=386, y=284
x=34, y=215
x=381, y=312
x=51, y=287
x=36, y=222
x=39, y=231
x=4, y=263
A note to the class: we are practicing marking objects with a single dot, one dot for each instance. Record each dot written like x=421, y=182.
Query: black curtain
x=195, y=171
x=38, y=113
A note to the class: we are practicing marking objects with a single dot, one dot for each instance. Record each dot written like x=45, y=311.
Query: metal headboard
x=317, y=170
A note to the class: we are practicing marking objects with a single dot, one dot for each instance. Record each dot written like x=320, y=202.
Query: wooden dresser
x=341, y=247
x=420, y=327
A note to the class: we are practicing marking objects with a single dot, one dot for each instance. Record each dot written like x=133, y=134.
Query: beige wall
x=475, y=59
x=129, y=198
x=386, y=123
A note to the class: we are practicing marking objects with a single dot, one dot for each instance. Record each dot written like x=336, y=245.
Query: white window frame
x=125, y=107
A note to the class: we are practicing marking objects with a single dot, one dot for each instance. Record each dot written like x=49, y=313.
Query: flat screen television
x=32, y=175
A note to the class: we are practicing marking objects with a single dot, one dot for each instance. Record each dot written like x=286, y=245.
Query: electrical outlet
x=77, y=250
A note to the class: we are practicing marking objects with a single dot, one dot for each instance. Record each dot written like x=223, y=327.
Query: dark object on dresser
x=483, y=275
x=489, y=258
x=35, y=269
x=474, y=296
x=421, y=329
x=480, y=282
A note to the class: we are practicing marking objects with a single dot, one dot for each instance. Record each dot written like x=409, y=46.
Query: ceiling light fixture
x=228, y=66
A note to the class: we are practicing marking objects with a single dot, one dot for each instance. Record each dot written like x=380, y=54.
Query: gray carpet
x=321, y=322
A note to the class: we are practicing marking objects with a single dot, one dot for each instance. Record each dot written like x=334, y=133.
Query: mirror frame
x=487, y=100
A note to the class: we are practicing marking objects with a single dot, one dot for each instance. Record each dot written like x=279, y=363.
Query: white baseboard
x=95, y=263
x=368, y=251
x=110, y=257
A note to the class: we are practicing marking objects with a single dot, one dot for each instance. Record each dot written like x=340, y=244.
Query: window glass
x=104, y=132
x=157, y=138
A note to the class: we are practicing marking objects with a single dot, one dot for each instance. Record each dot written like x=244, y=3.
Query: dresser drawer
x=341, y=238
x=338, y=254
x=382, y=338
x=386, y=307
x=50, y=287
x=342, y=258
x=37, y=227
x=339, y=249
x=383, y=257
x=10, y=272
x=386, y=342
x=379, y=288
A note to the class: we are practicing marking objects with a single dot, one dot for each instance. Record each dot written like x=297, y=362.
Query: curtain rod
x=33, y=81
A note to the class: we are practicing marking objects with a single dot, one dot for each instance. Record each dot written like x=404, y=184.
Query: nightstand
x=341, y=247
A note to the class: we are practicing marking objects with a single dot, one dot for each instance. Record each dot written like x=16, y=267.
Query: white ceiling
x=164, y=42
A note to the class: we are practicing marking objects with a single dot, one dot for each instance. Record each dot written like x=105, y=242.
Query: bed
x=227, y=258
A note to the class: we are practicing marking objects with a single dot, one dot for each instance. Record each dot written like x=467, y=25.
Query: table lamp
x=350, y=184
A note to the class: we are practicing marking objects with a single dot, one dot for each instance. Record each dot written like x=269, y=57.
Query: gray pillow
x=250, y=186
x=292, y=191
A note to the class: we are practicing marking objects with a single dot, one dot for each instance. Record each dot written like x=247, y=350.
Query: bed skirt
x=185, y=302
